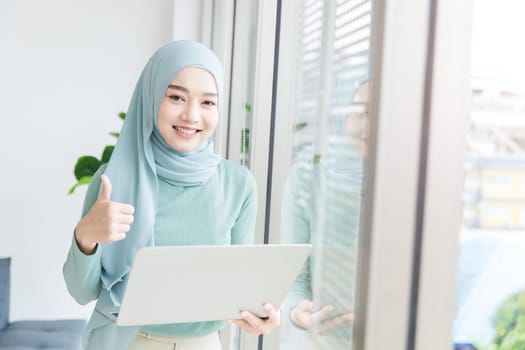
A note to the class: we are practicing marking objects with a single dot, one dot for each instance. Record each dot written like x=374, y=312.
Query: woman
x=322, y=205
x=164, y=185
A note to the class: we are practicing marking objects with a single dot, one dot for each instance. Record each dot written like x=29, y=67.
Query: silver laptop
x=203, y=283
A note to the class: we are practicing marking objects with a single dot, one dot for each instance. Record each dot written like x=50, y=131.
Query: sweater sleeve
x=295, y=230
x=243, y=231
x=81, y=271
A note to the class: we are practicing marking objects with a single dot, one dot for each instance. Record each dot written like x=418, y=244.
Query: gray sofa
x=28, y=335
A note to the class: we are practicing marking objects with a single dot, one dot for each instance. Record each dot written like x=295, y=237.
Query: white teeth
x=185, y=131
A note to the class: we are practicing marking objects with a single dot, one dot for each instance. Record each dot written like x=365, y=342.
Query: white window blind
x=331, y=65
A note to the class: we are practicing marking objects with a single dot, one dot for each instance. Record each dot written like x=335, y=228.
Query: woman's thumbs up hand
x=106, y=221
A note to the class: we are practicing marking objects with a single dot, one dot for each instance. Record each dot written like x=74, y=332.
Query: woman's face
x=357, y=122
x=188, y=113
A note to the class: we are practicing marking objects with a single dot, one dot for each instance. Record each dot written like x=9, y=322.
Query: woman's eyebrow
x=178, y=87
x=186, y=90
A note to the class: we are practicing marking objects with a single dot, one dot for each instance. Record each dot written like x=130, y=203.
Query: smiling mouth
x=185, y=131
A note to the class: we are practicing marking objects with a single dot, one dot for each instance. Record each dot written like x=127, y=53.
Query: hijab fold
x=141, y=157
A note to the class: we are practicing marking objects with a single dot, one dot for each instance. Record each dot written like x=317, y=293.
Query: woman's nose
x=191, y=113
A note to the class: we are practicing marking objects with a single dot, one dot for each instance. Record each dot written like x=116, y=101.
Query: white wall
x=66, y=69
x=189, y=19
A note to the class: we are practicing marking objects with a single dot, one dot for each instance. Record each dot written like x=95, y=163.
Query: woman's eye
x=176, y=98
x=209, y=103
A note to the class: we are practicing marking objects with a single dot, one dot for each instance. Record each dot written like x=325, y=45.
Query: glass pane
x=322, y=198
x=243, y=73
x=242, y=80
x=240, y=107
x=490, y=297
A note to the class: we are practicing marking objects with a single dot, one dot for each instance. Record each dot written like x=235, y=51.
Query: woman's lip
x=183, y=134
x=184, y=127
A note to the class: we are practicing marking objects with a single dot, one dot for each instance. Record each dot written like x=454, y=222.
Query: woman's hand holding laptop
x=256, y=325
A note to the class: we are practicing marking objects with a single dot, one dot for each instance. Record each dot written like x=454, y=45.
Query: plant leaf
x=122, y=115
x=106, y=154
x=86, y=166
x=115, y=134
x=300, y=126
x=83, y=181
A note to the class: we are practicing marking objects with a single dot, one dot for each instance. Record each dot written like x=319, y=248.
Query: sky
x=498, y=28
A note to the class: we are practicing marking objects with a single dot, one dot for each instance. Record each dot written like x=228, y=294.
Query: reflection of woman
x=164, y=185
x=357, y=123
x=322, y=206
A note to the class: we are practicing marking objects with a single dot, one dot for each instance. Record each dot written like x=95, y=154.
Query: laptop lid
x=173, y=284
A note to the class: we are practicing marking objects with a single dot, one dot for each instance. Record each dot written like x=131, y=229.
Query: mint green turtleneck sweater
x=220, y=212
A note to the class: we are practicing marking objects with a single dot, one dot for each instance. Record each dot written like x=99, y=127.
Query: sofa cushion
x=5, y=265
x=53, y=334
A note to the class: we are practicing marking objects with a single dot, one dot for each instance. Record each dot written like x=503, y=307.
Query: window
x=322, y=196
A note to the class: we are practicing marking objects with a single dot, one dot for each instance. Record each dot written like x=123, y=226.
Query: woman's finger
x=252, y=320
x=121, y=228
x=124, y=219
x=322, y=314
x=247, y=327
x=273, y=314
x=124, y=208
x=306, y=305
x=340, y=321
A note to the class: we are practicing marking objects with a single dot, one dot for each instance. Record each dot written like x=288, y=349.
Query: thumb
x=105, y=193
x=307, y=305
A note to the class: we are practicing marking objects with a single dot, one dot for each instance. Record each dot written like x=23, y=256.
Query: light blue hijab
x=141, y=156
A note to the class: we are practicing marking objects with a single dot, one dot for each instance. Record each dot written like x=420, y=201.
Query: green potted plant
x=86, y=166
x=509, y=325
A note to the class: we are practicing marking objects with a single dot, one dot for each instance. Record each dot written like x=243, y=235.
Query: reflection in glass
x=322, y=198
x=490, y=295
